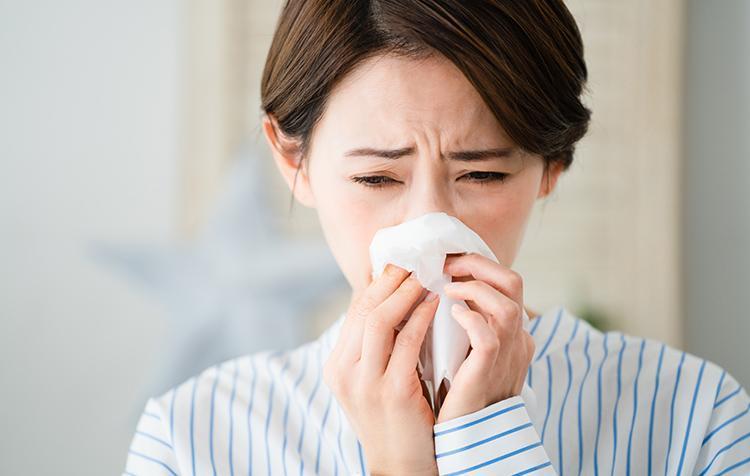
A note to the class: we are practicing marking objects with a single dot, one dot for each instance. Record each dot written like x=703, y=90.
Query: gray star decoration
x=239, y=287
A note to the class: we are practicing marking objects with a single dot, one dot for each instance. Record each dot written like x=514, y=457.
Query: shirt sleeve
x=726, y=444
x=151, y=449
x=499, y=438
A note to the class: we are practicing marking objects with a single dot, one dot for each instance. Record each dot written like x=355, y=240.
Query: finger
x=345, y=330
x=368, y=299
x=482, y=268
x=405, y=355
x=485, y=344
x=377, y=340
x=502, y=313
x=528, y=346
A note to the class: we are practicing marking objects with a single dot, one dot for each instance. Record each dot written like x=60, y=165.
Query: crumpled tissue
x=421, y=246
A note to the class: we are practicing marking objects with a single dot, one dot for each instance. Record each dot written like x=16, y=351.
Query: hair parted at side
x=524, y=57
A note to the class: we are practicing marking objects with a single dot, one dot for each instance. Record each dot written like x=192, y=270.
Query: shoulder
x=625, y=360
x=234, y=378
x=253, y=370
x=670, y=396
x=173, y=424
x=679, y=374
x=559, y=332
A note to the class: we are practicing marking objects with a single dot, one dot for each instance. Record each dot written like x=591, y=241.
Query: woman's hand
x=501, y=349
x=372, y=371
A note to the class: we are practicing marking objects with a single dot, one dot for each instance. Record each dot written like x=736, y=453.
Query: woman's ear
x=288, y=158
x=552, y=171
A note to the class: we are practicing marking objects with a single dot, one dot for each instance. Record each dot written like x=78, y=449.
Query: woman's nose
x=430, y=193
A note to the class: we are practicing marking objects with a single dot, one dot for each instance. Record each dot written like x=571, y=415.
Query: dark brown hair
x=524, y=57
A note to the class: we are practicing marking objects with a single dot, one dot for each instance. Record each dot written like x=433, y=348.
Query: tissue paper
x=421, y=245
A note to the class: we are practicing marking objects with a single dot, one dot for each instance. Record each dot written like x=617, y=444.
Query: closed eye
x=379, y=181
x=485, y=177
x=374, y=181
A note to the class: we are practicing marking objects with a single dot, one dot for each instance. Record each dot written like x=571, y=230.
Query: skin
x=428, y=106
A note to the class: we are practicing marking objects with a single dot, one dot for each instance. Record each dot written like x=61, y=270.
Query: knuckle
x=407, y=339
x=364, y=306
x=511, y=309
x=508, y=315
x=375, y=324
x=530, y=345
x=515, y=281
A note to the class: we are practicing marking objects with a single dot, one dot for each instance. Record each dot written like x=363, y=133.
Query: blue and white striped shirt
x=594, y=403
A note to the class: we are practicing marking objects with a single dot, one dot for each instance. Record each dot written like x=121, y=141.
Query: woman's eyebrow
x=463, y=156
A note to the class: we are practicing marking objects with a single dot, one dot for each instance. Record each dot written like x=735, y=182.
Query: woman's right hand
x=372, y=371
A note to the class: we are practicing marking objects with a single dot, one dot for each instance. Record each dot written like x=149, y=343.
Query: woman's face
x=400, y=138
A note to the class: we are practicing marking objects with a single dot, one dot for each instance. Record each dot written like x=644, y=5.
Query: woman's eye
x=378, y=181
x=374, y=181
x=484, y=177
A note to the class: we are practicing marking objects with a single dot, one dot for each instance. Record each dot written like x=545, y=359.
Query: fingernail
x=431, y=296
x=457, y=308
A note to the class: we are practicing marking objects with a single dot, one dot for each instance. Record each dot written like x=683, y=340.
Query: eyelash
x=380, y=181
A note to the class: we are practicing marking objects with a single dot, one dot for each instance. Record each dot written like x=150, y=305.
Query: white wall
x=88, y=151
x=716, y=226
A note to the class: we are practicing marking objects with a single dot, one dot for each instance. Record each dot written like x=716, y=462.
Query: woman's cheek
x=501, y=228
x=354, y=230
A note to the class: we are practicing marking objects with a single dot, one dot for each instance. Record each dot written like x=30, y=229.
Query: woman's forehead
x=389, y=97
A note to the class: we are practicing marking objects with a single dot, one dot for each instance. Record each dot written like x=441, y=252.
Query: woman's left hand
x=501, y=349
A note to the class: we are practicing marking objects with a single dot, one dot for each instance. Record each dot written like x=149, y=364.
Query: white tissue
x=420, y=245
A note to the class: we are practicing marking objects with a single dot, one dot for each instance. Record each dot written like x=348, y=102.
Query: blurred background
x=147, y=235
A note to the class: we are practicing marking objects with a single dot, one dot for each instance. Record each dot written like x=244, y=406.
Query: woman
x=376, y=112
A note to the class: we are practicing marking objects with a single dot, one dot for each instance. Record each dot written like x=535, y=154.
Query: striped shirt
x=593, y=403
